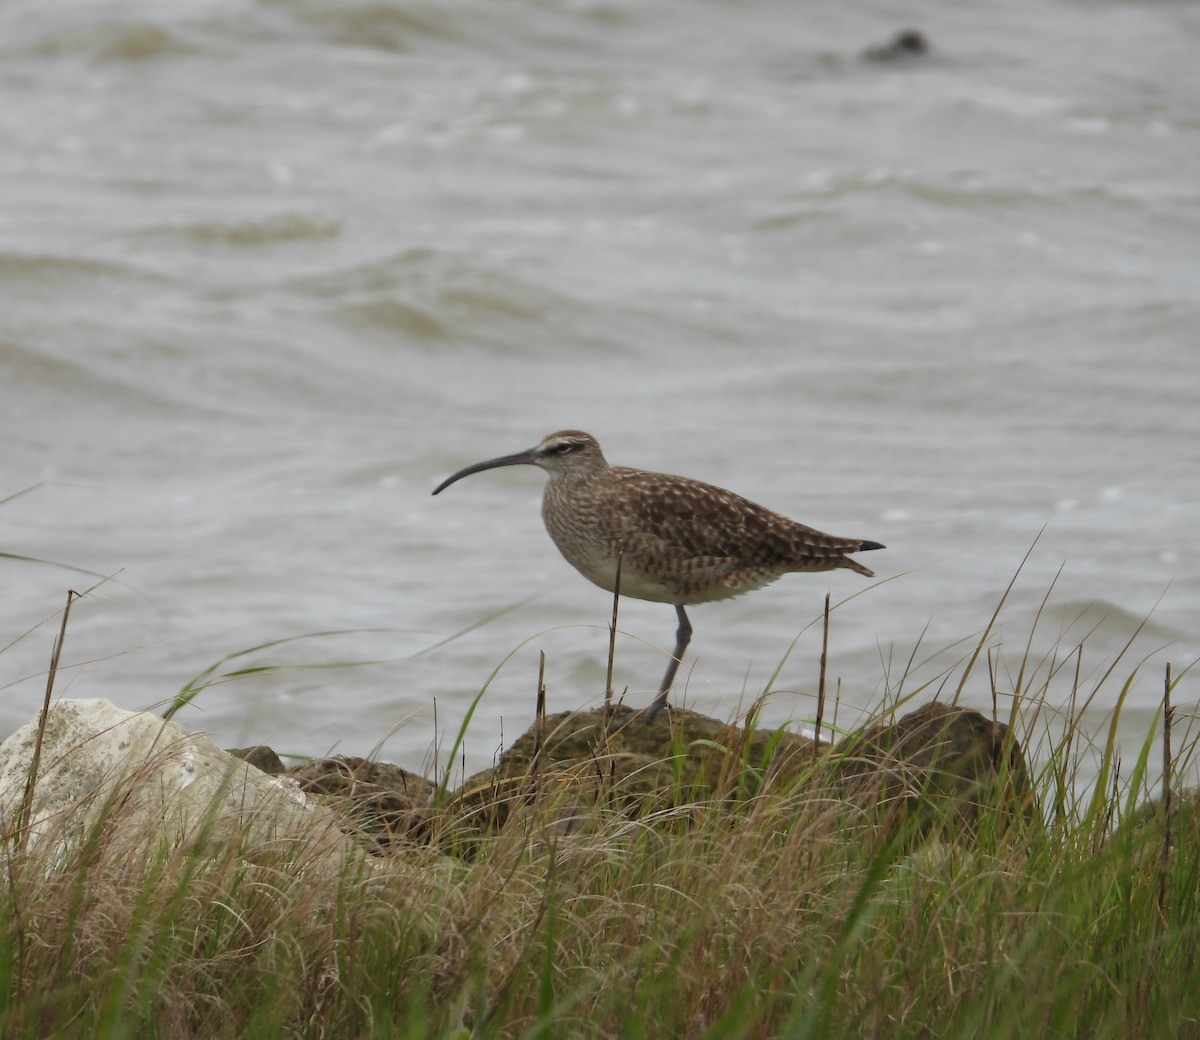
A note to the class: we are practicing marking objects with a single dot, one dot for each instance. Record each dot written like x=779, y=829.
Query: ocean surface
x=270, y=271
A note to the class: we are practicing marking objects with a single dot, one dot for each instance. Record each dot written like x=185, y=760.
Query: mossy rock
x=381, y=802
x=939, y=765
x=940, y=768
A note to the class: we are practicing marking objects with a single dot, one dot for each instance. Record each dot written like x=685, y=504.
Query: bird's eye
x=563, y=448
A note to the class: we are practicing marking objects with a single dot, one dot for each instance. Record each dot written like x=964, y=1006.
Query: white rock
x=152, y=779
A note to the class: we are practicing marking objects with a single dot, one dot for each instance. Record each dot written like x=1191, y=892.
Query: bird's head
x=565, y=453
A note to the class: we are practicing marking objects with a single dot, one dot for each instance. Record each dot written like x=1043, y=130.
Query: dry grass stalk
x=22, y=827
x=821, y=678
x=612, y=633
x=1164, y=871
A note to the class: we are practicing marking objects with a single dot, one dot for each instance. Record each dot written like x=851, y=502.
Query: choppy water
x=271, y=270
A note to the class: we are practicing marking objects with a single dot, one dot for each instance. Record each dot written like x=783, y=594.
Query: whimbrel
x=679, y=541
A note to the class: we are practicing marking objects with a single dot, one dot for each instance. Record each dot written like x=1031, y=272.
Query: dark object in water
x=907, y=43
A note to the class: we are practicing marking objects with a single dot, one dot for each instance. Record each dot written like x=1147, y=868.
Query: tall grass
x=771, y=909
x=767, y=919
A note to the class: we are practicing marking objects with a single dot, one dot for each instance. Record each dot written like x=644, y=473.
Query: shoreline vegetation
x=923, y=876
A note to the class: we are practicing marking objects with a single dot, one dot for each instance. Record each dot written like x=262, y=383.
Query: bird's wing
x=714, y=528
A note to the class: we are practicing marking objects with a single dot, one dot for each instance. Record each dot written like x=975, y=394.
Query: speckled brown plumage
x=680, y=541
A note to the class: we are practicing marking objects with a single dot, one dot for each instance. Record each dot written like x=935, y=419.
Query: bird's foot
x=631, y=715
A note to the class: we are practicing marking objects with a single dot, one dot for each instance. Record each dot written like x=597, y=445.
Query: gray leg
x=683, y=636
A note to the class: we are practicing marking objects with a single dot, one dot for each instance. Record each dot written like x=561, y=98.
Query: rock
x=680, y=755
x=940, y=767
x=381, y=801
x=146, y=780
x=903, y=46
x=943, y=764
x=262, y=758
x=949, y=765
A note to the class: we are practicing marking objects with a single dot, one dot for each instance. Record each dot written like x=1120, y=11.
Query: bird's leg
x=683, y=636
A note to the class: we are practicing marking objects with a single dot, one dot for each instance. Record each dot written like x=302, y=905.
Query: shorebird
x=677, y=541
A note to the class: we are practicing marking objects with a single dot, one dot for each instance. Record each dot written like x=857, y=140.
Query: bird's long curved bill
x=521, y=458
